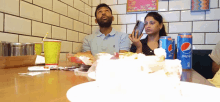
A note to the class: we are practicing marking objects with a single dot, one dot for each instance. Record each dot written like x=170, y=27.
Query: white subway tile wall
x=122, y=1
x=73, y=13
x=17, y=25
x=59, y=7
x=65, y=46
x=212, y=38
x=95, y=2
x=170, y=16
x=78, y=4
x=10, y=6
x=205, y=26
x=66, y=22
x=118, y=9
x=58, y=33
x=51, y=17
x=8, y=37
x=88, y=10
x=192, y=16
x=120, y=28
x=126, y=19
x=72, y=35
x=69, y=2
x=212, y=15
x=78, y=26
x=40, y=29
x=109, y=2
x=179, y=4
x=29, y=39
x=203, y=47
x=30, y=11
x=178, y=27
x=30, y=20
x=44, y=3
x=214, y=3
x=198, y=38
x=28, y=1
x=163, y=6
x=81, y=37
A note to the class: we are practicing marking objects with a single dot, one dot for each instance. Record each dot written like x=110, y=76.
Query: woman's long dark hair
x=159, y=18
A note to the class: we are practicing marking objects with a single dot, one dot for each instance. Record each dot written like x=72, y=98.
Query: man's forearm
x=215, y=67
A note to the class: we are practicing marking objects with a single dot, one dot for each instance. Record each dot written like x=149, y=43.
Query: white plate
x=192, y=92
x=91, y=75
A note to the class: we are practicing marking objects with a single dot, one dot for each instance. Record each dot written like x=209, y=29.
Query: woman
x=154, y=28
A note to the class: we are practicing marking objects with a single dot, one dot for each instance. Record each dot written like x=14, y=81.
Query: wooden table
x=52, y=87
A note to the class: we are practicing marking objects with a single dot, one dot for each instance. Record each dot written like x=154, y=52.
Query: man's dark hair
x=102, y=5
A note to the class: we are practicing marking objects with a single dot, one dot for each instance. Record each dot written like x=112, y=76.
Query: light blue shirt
x=113, y=42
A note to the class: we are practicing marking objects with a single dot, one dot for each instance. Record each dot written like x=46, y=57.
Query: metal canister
x=29, y=49
x=4, y=48
x=17, y=49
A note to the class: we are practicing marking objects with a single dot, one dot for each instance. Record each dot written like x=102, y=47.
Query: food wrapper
x=216, y=79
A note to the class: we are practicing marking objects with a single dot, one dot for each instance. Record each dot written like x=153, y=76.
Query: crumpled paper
x=216, y=79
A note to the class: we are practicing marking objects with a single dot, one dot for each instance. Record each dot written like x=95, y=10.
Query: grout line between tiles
x=3, y=22
x=31, y=27
x=204, y=38
x=19, y=7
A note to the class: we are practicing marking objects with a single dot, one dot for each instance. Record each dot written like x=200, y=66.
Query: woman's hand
x=136, y=40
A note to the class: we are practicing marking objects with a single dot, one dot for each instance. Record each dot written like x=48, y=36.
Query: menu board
x=142, y=5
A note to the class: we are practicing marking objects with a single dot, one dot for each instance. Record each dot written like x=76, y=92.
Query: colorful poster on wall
x=200, y=5
x=142, y=5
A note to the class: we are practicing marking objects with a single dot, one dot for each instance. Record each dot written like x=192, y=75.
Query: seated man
x=106, y=39
x=215, y=56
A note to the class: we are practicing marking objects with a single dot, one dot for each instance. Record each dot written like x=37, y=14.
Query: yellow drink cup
x=52, y=53
x=38, y=48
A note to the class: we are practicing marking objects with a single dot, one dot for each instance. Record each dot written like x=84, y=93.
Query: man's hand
x=136, y=40
x=215, y=67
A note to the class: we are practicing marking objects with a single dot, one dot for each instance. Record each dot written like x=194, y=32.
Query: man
x=106, y=39
x=215, y=56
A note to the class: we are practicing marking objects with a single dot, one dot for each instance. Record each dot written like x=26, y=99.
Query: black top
x=145, y=48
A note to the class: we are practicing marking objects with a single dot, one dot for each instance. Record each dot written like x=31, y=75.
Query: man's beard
x=106, y=24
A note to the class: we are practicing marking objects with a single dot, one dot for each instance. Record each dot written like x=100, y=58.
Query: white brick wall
x=17, y=25
x=29, y=20
x=10, y=6
x=51, y=17
x=205, y=26
x=44, y=3
x=59, y=7
x=40, y=29
x=58, y=33
x=212, y=38
x=30, y=11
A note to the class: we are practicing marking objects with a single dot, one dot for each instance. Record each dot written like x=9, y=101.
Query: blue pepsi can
x=166, y=43
x=184, y=50
x=173, y=48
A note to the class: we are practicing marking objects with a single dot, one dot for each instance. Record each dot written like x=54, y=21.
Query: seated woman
x=154, y=28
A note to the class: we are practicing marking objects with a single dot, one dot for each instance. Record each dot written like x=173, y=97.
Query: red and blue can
x=166, y=43
x=184, y=50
